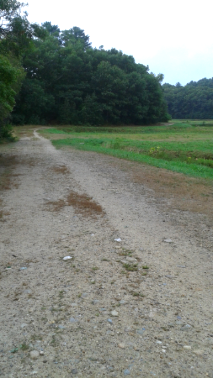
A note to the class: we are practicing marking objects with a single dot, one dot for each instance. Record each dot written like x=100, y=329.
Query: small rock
x=187, y=347
x=61, y=327
x=118, y=240
x=167, y=240
x=126, y=372
x=74, y=371
x=67, y=258
x=158, y=342
x=121, y=345
x=114, y=313
x=109, y=320
x=23, y=268
x=198, y=352
x=73, y=304
x=95, y=301
x=141, y=331
x=185, y=328
x=131, y=259
x=41, y=353
x=72, y=320
x=23, y=325
x=122, y=302
x=34, y=354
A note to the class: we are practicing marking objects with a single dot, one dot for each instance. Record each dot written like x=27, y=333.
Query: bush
x=6, y=132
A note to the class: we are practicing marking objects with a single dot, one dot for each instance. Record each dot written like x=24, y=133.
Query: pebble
x=27, y=291
x=109, y=320
x=187, y=347
x=74, y=371
x=126, y=372
x=95, y=301
x=131, y=259
x=167, y=240
x=198, y=352
x=121, y=345
x=114, y=313
x=141, y=331
x=185, y=328
x=61, y=327
x=23, y=268
x=72, y=320
x=118, y=240
x=23, y=325
x=67, y=258
x=34, y=354
x=158, y=342
x=41, y=353
x=122, y=302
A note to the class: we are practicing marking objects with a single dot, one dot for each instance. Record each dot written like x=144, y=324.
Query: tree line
x=192, y=101
x=51, y=76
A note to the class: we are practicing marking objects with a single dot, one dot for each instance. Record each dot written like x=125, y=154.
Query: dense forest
x=51, y=76
x=193, y=101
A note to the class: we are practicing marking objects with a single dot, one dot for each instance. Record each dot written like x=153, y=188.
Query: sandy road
x=100, y=313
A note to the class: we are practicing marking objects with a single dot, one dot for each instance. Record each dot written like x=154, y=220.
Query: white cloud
x=167, y=35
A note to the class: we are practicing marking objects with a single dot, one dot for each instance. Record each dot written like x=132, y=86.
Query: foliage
x=193, y=101
x=69, y=82
x=10, y=76
x=15, y=36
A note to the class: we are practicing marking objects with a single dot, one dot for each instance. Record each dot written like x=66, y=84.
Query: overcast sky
x=173, y=37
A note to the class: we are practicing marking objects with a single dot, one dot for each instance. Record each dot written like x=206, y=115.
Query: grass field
x=181, y=146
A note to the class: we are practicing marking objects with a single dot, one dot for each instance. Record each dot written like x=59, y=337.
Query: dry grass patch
x=55, y=205
x=61, y=170
x=7, y=164
x=180, y=192
x=82, y=204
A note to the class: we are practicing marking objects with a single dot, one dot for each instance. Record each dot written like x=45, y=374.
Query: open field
x=184, y=147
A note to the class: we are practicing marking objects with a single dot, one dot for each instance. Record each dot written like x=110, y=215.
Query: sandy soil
x=101, y=313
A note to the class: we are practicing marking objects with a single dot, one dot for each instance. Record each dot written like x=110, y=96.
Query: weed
x=104, y=259
x=24, y=347
x=36, y=337
x=144, y=274
x=145, y=267
x=130, y=267
x=14, y=350
x=95, y=268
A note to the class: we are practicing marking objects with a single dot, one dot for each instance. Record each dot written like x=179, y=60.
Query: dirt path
x=101, y=313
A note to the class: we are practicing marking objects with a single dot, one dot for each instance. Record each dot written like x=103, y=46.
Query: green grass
x=185, y=146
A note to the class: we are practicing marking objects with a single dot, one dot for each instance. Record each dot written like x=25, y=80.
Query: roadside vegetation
x=184, y=147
